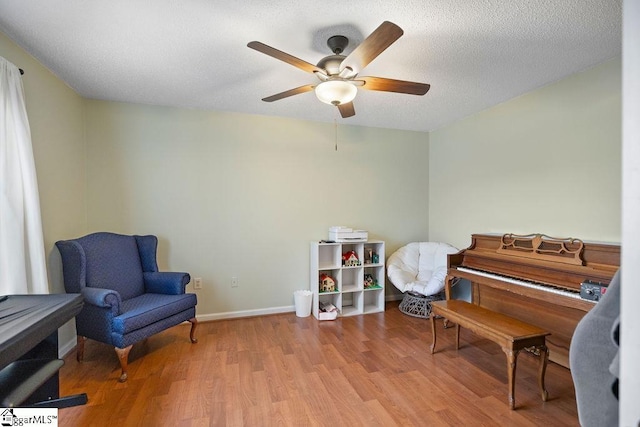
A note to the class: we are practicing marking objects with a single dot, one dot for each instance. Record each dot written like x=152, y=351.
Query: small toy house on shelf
x=350, y=259
x=326, y=283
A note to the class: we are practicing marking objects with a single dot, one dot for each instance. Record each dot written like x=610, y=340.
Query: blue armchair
x=126, y=298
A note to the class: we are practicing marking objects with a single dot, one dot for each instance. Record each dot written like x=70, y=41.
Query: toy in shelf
x=326, y=283
x=370, y=257
x=350, y=259
x=327, y=311
x=327, y=307
x=369, y=281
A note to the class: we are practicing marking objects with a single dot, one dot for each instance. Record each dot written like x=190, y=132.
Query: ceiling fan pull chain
x=335, y=126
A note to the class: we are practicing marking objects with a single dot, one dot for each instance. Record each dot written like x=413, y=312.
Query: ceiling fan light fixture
x=336, y=92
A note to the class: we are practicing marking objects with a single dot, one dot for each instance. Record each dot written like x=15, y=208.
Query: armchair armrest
x=100, y=297
x=166, y=282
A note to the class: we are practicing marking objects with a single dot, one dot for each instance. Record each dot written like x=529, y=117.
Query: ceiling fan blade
x=282, y=56
x=391, y=85
x=347, y=110
x=381, y=38
x=288, y=93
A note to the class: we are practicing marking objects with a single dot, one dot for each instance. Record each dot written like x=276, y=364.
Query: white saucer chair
x=419, y=270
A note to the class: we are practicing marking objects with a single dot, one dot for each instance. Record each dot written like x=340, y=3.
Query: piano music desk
x=512, y=335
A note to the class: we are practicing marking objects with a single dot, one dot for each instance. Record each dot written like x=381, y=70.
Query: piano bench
x=512, y=335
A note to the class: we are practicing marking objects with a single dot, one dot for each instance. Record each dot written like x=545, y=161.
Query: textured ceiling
x=193, y=53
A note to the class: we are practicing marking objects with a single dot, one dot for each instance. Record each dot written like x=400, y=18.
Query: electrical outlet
x=197, y=283
x=234, y=282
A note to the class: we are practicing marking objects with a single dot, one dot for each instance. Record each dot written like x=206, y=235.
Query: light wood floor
x=366, y=370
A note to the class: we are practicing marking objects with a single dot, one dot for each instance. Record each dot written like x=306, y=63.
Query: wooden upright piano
x=534, y=278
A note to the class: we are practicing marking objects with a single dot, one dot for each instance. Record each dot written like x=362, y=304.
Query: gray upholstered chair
x=593, y=357
x=126, y=298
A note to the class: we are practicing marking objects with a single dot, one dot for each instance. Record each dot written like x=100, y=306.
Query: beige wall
x=233, y=195
x=546, y=162
x=56, y=122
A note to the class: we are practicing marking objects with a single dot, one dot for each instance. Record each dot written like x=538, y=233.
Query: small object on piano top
x=592, y=291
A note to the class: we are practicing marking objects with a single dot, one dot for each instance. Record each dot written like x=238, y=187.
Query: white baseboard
x=265, y=311
x=66, y=348
x=245, y=313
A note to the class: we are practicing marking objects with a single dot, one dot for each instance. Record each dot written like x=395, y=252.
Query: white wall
x=56, y=122
x=546, y=162
x=630, y=315
x=232, y=195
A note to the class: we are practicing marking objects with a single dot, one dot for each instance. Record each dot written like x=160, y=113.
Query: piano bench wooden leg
x=457, y=336
x=433, y=332
x=512, y=360
x=544, y=359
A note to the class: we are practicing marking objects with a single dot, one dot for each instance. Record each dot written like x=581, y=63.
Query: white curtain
x=22, y=260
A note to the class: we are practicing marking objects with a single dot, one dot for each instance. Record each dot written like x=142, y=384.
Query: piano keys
x=529, y=288
x=536, y=279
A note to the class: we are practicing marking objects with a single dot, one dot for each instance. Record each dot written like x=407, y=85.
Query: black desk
x=29, y=349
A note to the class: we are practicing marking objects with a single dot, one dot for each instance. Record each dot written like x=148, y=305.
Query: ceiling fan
x=338, y=74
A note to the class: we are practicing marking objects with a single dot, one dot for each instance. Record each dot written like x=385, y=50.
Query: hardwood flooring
x=371, y=370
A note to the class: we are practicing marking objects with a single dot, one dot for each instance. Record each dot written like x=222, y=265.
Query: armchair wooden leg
x=194, y=325
x=80, y=347
x=123, y=356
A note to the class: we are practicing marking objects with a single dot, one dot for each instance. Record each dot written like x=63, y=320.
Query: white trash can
x=303, y=303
